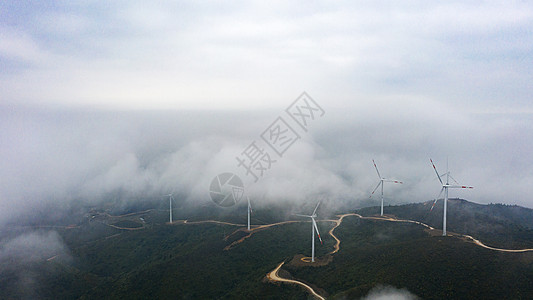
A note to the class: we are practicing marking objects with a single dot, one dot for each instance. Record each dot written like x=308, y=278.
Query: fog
x=389, y=293
x=21, y=258
x=130, y=100
x=64, y=156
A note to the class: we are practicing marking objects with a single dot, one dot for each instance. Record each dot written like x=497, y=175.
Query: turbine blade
x=316, y=228
x=436, y=171
x=301, y=215
x=393, y=181
x=379, y=175
x=314, y=211
x=380, y=182
x=453, y=179
x=441, y=190
x=460, y=187
x=435, y=202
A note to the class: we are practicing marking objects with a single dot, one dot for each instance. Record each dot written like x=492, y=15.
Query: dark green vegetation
x=188, y=261
x=128, y=224
x=403, y=255
x=497, y=225
x=161, y=261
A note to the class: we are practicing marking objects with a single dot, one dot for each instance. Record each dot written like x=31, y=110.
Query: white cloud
x=59, y=156
x=389, y=293
x=19, y=46
x=32, y=247
x=401, y=82
x=18, y=256
x=157, y=55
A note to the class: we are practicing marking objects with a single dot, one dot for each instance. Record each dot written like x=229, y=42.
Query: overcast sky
x=98, y=97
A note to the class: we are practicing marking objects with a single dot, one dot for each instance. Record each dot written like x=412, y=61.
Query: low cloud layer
x=23, y=258
x=400, y=83
x=65, y=156
x=32, y=247
x=389, y=293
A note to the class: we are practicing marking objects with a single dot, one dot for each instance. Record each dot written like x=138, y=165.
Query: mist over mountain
x=64, y=158
x=128, y=101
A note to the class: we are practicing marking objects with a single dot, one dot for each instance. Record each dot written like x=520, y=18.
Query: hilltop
x=138, y=255
x=507, y=226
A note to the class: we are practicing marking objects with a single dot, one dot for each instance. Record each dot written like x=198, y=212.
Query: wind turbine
x=445, y=187
x=381, y=182
x=313, y=228
x=170, y=203
x=249, y=211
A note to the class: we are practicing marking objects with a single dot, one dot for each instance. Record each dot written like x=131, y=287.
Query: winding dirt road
x=386, y=218
x=468, y=237
x=129, y=214
x=479, y=243
x=255, y=229
x=208, y=221
x=273, y=275
x=125, y=228
x=337, y=222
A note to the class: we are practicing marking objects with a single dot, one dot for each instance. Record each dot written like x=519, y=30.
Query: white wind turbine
x=170, y=203
x=249, y=211
x=381, y=182
x=313, y=228
x=445, y=187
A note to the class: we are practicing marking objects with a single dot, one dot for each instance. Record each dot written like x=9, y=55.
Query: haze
x=139, y=99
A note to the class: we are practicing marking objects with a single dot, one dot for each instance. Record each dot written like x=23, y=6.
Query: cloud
x=63, y=156
x=176, y=55
x=32, y=247
x=84, y=86
x=21, y=260
x=389, y=293
x=19, y=46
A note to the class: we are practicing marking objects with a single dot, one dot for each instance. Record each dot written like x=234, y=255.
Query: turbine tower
x=381, y=182
x=313, y=228
x=170, y=204
x=249, y=211
x=445, y=187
